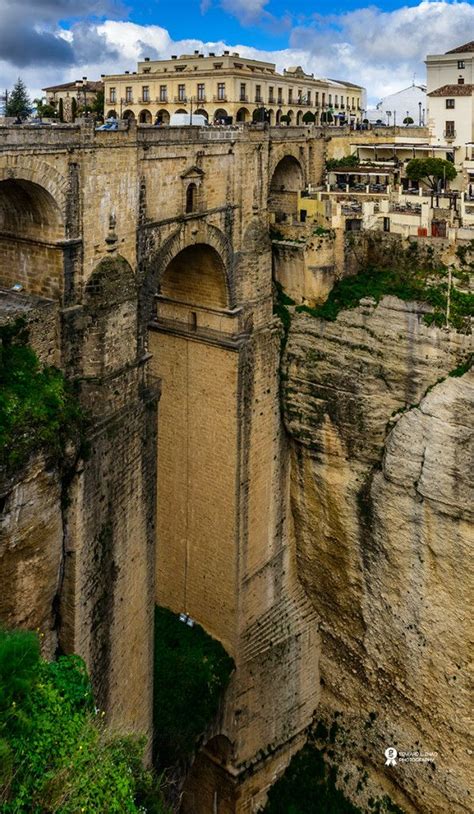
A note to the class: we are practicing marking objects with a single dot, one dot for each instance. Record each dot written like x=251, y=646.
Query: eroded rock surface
x=382, y=501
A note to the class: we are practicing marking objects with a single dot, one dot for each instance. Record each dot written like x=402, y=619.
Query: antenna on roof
x=413, y=83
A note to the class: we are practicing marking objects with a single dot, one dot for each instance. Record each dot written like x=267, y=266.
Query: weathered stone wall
x=380, y=508
x=307, y=263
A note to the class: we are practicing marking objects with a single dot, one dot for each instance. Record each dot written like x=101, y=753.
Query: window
x=280, y=96
x=146, y=93
x=461, y=64
x=201, y=95
x=270, y=94
x=323, y=101
x=330, y=100
x=336, y=100
x=308, y=97
x=191, y=192
x=258, y=93
x=317, y=98
x=243, y=92
x=128, y=94
x=353, y=106
x=449, y=102
x=163, y=93
x=181, y=93
x=450, y=131
x=461, y=80
x=113, y=95
x=290, y=95
x=221, y=91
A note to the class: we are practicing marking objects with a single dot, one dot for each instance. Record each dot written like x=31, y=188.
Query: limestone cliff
x=381, y=506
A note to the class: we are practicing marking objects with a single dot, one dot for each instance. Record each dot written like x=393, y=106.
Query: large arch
x=128, y=115
x=145, y=117
x=112, y=114
x=31, y=226
x=196, y=276
x=299, y=118
x=220, y=114
x=201, y=112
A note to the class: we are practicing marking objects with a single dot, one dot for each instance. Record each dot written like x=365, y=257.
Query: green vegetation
x=431, y=171
x=308, y=787
x=38, y=409
x=55, y=755
x=18, y=102
x=422, y=286
x=281, y=310
x=191, y=672
x=463, y=368
x=345, y=161
x=45, y=110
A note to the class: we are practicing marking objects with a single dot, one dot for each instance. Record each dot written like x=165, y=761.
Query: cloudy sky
x=379, y=46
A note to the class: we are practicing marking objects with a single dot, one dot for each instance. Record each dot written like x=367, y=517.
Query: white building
x=394, y=108
x=450, y=83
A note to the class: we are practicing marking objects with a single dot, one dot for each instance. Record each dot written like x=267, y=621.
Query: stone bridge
x=154, y=245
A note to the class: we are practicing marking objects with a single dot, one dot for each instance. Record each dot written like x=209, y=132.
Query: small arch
x=31, y=225
x=128, y=115
x=191, y=196
x=278, y=116
x=196, y=276
x=299, y=118
x=287, y=176
x=290, y=117
x=270, y=116
x=145, y=117
x=162, y=117
x=243, y=115
x=220, y=115
x=112, y=114
x=181, y=110
x=201, y=112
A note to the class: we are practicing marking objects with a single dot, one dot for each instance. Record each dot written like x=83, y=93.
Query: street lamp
x=419, y=113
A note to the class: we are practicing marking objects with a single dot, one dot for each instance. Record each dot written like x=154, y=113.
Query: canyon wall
x=380, y=500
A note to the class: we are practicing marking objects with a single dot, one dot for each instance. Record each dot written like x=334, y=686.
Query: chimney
x=226, y=53
x=211, y=54
x=196, y=53
x=127, y=71
x=147, y=59
x=173, y=56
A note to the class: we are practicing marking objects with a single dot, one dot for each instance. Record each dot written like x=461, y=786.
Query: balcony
x=302, y=103
x=144, y=100
x=449, y=135
x=258, y=100
x=180, y=99
x=220, y=98
x=161, y=101
x=108, y=101
x=243, y=98
x=201, y=99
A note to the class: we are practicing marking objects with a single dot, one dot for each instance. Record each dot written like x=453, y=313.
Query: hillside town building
x=408, y=103
x=229, y=88
x=83, y=92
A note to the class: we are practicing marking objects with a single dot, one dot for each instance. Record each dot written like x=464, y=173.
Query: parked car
x=109, y=124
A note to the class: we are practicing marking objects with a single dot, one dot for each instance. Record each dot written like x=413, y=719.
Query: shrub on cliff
x=38, y=409
x=55, y=754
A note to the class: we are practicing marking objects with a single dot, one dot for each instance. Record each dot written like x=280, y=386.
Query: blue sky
x=380, y=46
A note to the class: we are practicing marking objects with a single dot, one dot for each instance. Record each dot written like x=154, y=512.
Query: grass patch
x=38, y=409
x=191, y=672
x=55, y=754
x=421, y=286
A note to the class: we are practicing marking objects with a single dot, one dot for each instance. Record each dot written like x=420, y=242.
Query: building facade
x=450, y=81
x=394, y=108
x=229, y=88
x=83, y=92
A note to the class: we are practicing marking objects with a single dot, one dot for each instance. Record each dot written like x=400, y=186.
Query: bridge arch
x=31, y=228
x=196, y=276
x=287, y=175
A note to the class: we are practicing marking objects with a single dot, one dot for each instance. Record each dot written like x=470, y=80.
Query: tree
x=309, y=117
x=97, y=105
x=61, y=109
x=431, y=171
x=74, y=108
x=285, y=119
x=19, y=103
x=408, y=120
x=44, y=109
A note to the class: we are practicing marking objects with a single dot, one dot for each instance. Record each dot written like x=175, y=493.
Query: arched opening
x=128, y=115
x=201, y=112
x=243, y=115
x=270, y=116
x=220, y=116
x=181, y=110
x=112, y=114
x=196, y=276
x=278, y=116
x=299, y=117
x=191, y=196
x=163, y=117
x=286, y=183
x=290, y=117
x=30, y=227
x=145, y=117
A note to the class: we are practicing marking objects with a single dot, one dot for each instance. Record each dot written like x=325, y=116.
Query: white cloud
x=380, y=50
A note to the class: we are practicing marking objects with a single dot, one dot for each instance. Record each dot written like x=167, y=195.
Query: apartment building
x=450, y=83
x=82, y=91
x=229, y=88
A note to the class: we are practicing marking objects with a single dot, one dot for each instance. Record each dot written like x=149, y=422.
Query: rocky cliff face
x=381, y=505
